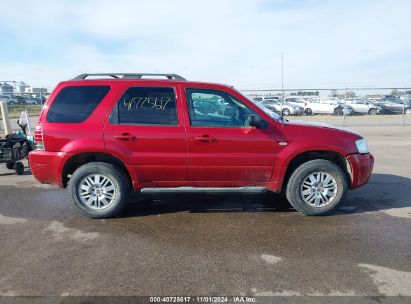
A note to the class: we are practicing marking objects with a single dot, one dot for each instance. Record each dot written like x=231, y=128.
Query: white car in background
x=364, y=106
x=327, y=106
x=284, y=108
x=299, y=101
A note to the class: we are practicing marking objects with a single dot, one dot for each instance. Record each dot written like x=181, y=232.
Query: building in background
x=36, y=92
x=6, y=89
x=20, y=88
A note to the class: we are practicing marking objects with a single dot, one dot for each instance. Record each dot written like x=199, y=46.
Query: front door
x=146, y=129
x=222, y=147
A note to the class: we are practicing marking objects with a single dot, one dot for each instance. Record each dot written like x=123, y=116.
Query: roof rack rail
x=129, y=75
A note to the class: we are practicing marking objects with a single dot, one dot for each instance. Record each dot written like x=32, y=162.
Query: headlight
x=361, y=145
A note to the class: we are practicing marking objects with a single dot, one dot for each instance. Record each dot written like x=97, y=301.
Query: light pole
x=282, y=81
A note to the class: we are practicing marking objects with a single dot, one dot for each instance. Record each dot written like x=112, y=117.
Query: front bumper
x=361, y=168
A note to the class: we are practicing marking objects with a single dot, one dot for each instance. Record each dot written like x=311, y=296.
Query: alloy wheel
x=318, y=189
x=97, y=191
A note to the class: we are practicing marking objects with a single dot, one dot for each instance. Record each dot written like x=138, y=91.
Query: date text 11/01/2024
x=203, y=299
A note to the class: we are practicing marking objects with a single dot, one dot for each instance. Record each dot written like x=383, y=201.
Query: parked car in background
x=394, y=106
x=20, y=99
x=261, y=99
x=285, y=108
x=257, y=99
x=299, y=101
x=327, y=106
x=7, y=99
x=33, y=100
x=214, y=107
x=364, y=106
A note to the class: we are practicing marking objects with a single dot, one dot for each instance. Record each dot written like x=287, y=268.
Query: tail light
x=39, y=138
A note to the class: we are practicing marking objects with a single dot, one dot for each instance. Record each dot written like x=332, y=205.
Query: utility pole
x=345, y=103
x=282, y=81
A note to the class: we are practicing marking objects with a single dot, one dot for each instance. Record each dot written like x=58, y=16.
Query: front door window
x=209, y=108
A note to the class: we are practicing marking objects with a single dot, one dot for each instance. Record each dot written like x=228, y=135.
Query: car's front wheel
x=316, y=187
x=372, y=111
x=99, y=190
x=286, y=112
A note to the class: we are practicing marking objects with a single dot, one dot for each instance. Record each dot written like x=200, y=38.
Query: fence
x=342, y=107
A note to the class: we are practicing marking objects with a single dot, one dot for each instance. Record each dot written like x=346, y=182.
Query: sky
x=238, y=42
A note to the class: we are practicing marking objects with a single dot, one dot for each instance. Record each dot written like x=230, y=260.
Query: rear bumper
x=47, y=167
x=361, y=168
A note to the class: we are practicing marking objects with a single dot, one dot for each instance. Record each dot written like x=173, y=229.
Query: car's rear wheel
x=372, y=111
x=316, y=187
x=99, y=190
x=308, y=111
x=286, y=112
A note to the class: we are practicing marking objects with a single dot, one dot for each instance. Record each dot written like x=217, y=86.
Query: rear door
x=315, y=106
x=146, y=128
x=362, y=106
x=223, y=150
x=326, y=107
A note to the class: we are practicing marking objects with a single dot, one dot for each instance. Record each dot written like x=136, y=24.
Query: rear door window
x=75, y=104
x=146, y=106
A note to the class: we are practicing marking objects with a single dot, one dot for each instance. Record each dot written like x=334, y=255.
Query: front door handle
x=125, y=137
x=204, y=138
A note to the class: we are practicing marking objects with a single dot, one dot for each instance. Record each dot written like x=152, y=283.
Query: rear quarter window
x=75, y=104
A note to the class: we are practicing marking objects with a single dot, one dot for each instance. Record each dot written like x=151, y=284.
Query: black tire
x=372, y=111
x=19, y=167
x=10, y=165
x=293, y=187
x=338, y=111
x=308, y=111
x=286, y=112
x=118, y=179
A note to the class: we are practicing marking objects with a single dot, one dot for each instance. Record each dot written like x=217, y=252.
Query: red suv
x=102, y=137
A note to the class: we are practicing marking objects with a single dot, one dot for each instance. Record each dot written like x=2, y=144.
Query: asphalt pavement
x=211, y=245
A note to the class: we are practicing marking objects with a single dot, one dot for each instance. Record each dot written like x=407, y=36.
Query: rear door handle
x=204, y=138
x=125, y=137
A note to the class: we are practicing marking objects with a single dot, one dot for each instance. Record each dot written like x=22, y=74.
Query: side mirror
x=257, y=122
